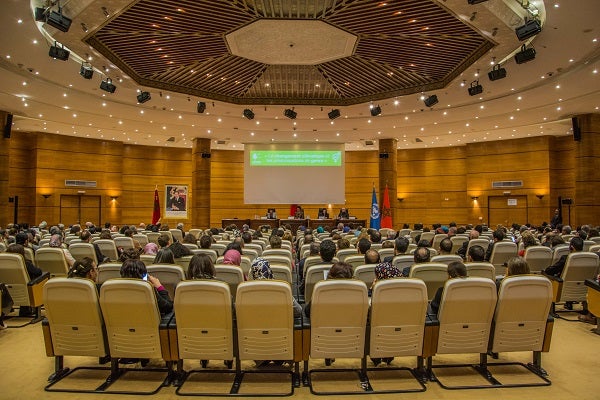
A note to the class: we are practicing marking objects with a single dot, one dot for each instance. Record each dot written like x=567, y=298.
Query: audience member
x=456, y=269
x=201, y=267
x=132, y=268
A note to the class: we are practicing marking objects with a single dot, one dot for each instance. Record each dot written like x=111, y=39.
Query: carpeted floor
x=572, y=365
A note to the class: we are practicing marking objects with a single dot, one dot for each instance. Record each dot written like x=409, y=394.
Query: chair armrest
x=35, y=290
x=47, y=338
x=42, y=278
x=552, y=277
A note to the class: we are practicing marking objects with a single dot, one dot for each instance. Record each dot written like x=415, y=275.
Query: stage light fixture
x=476, y=1
x=108, y=86
x=201, y=107
x=143, y=97
x=531, y=28
x=431, y=100
x=497, y=73
x=291, y=114
x=86, y=70
x=40, y=14
x=375, y=111
x=475, y=88
x=525, y=55
x=58, y=20
x=333, y=114
x=59, y=53
x=248, y=113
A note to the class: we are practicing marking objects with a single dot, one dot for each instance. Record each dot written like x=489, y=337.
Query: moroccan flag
x=156, y=211
x=386, y=211
x=375, y=222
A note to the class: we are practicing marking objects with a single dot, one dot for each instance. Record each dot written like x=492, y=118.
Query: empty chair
x=124, y=243
x=231, y=274
x=558, y=252
x=501, y=252
x=570, y=286
x=52, y=260
x=108, y=248
x=365, y=273
x=81, y=250
x=211, y=253
x=481, y=269
x=433, y=274
x=356, y=260
x=343, y=253
x=538, y=258
x=168, y=275
x=74, y=325
x=108, y=271
x=176, y=235
x=446, y=258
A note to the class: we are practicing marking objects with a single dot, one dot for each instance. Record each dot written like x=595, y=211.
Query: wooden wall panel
x=21, y=176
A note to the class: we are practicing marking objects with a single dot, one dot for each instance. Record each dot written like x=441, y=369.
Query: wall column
x=388, y=169
x=5, y=213
x=587, y=177
x=201, y=183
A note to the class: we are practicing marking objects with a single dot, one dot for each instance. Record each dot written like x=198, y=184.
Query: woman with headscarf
x=151, y=249
x=232, y=257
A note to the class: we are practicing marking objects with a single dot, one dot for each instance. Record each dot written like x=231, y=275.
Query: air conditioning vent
x=506, y=184
x=221, y=142
x=75, y=183
x=369, y=143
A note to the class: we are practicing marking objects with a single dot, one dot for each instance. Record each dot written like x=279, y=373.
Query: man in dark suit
x=576, y=244
x=343, y=214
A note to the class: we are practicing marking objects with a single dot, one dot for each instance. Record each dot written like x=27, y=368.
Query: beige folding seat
x=29, y=254
x=446, y=258
x=437, y=239
x=567, y=238
x=280, y=272
x=387, y=252
x=73, y=327
x=265, y=324
x=124, y=242
x=52, y=259
x=427, y=236
x=403, y=261
x=147, y=259
x=558, y=252
x=211, y=253
x=183, y=262
x=343, y=253
x=521, y=321
x=481, y=269
x=108, y=271
x=501, y=253
x=42, y=243
x=176, y=235
x=69, y=238
x=538, y=258
x=250, y=253
x=169, y=276
x=286, y=244
x=191, y=246
x=224, y=242
x=204, y=325
x=483, y=242
x=275, y=259
x=457, y=242
x=434, y=275
x=81, y=250
x=196, y=232
x=365, y=273
x=338, y=320
x=314, y=274
x=310, y=261
x=356, y=260
x=587, y=244
x=465, y=318
x=219, y=248
x=169, y=234
x=230, y=274
x=376, y=246
x=153, y=237
x=254, y=246
x=277, y=252
x=108, y=248
x=595, y=239
x=134, y=327
x=24, y=291
x=415, y=233
x=141, y=238
x=595, y=248
x=571, y=284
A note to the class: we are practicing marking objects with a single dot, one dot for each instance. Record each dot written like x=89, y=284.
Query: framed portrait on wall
x=176, y=199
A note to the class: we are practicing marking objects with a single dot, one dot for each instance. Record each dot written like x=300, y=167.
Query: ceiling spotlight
x=108, y=86
x=86, y=70
x=376, y=110
x=531, y=28
x=431, y=100
x=291, y=114
x=497, y=73
x=475, y=88
x=525, y=55
x=40, y=14
x=59, y=53
x=248, y=113
x=143, y=97
x=333, y=114
x=201, y=107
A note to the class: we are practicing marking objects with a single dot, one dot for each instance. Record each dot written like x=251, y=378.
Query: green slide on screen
x=296, y=158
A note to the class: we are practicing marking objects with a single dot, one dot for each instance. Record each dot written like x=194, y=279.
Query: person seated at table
x=343, y=214
x=323, y=214
x=299, y=214
x=271, y=213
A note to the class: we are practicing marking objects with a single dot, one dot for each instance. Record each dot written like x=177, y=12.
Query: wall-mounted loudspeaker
x=8, y=126
x=205, y=155
x=576, y=129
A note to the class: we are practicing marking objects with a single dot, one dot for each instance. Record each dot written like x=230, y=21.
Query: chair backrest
x=265, y=320
x=481, y=269
x=81, y=250
x=465, y=315
x=52, y=259
x=427, y=236
x=250, y=253
x=191, y=246
x=153, y=237
x=196, y=232
x=219, y=248
x=277, y=252
x=169, y=234
x=29, y=254
x=415, y=233
x=230, y=274
x=387, y=252
x=168, y=275
x=338, y=318
x=595, y=248
x=108, y=271
x=434, y=275
x=204, y=320
x=343, y=253
x=254, y=246
x=176, y=235
x=310, y=261
x=141, y=238
x=13, y=273
x=124, y=242
x=483, y=242
x=282, y=273
x=446, y=258
x=355, y=260
x=108, y=248
x=587, y=244
x=365, y=273
x=402, y=261
x=521, y=313
x=314, y=274
x=42, y=243
x=578, y=267
x=147, y=259
x=183, y=262
x=437, y=239
x=75, y=319
x=538, y=257
x=211, y=253
x=277, y=260
x=131, y=317
x=501, y=252
x=558, y=252
x=457, y=242
x=395, y=333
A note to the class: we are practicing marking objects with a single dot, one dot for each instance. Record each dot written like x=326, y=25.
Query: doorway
x=79, y=209
x=507, y=210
